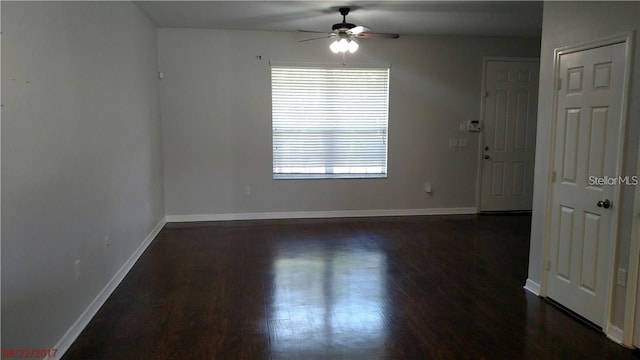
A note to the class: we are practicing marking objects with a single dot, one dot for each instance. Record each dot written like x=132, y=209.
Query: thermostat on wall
x=473, y=125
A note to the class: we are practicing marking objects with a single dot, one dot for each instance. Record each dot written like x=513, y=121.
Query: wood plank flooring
x=439, y=287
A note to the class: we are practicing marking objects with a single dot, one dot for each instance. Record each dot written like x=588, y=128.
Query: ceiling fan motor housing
x=343, y=26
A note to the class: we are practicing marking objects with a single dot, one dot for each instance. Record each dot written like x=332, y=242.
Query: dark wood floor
x=444, y=287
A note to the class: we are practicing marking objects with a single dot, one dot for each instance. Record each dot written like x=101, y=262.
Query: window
x=329, y=122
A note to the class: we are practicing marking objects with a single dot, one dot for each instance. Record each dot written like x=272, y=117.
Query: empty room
x=320, y=180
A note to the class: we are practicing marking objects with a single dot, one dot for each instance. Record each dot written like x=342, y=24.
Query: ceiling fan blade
x=315, y=32
x=370, y=35
x=358, y=30
x=318, y=38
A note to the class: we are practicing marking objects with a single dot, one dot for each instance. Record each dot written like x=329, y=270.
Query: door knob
x=604, y=204
x=487, y=157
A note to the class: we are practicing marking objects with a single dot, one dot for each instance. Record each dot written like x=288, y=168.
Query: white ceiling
x=481, y=18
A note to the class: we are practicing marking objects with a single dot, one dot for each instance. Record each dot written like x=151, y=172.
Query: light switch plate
x=473, y=125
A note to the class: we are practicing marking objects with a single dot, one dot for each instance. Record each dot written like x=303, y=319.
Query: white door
x=587, y=139
x=510, y=111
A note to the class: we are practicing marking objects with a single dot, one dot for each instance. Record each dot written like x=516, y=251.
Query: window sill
x=327, y=176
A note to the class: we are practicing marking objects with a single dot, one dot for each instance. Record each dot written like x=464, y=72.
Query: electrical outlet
x=107, y=241
x=427, y=188
x=77, y=269
x=622, y=277
x=247, y=190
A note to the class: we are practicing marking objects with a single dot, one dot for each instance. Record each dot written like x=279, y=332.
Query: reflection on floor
x=440, y=287
x=323, y=299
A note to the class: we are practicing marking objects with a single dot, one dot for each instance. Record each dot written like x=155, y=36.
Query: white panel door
x=510, y=110
x=587, y=131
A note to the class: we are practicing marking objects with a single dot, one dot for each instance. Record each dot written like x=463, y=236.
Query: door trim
x=613, y=332
x=633, y=272
x=483, y=91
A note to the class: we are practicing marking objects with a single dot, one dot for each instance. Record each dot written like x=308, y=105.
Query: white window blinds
x=329, y=122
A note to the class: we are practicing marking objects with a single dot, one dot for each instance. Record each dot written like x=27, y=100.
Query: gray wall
x=216, y=119
x=569, y=23
x=81, y=157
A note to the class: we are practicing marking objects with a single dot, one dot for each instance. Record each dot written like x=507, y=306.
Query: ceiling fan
x=345, y=33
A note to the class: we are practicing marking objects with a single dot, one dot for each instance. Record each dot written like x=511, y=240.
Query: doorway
x=510, y=105
x=587, y=146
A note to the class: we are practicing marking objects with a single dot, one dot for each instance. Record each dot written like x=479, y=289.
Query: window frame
x=371, y=172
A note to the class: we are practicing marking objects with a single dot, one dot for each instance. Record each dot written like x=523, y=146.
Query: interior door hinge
x=547, y=265
x=486, y=94
x=553, y=176
x=559, y=84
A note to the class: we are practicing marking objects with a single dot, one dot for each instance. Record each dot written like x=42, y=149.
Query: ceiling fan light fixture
x=343, y=45
x=335, y=47
x=353, y=46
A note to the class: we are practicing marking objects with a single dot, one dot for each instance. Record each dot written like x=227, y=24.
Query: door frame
x=611, y=331
x=483, y=99
x=633, y=272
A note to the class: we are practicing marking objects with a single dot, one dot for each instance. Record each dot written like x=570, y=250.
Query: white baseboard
x=615, y=334
x=532, y=287
x=74, y=331
x=320, y=214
